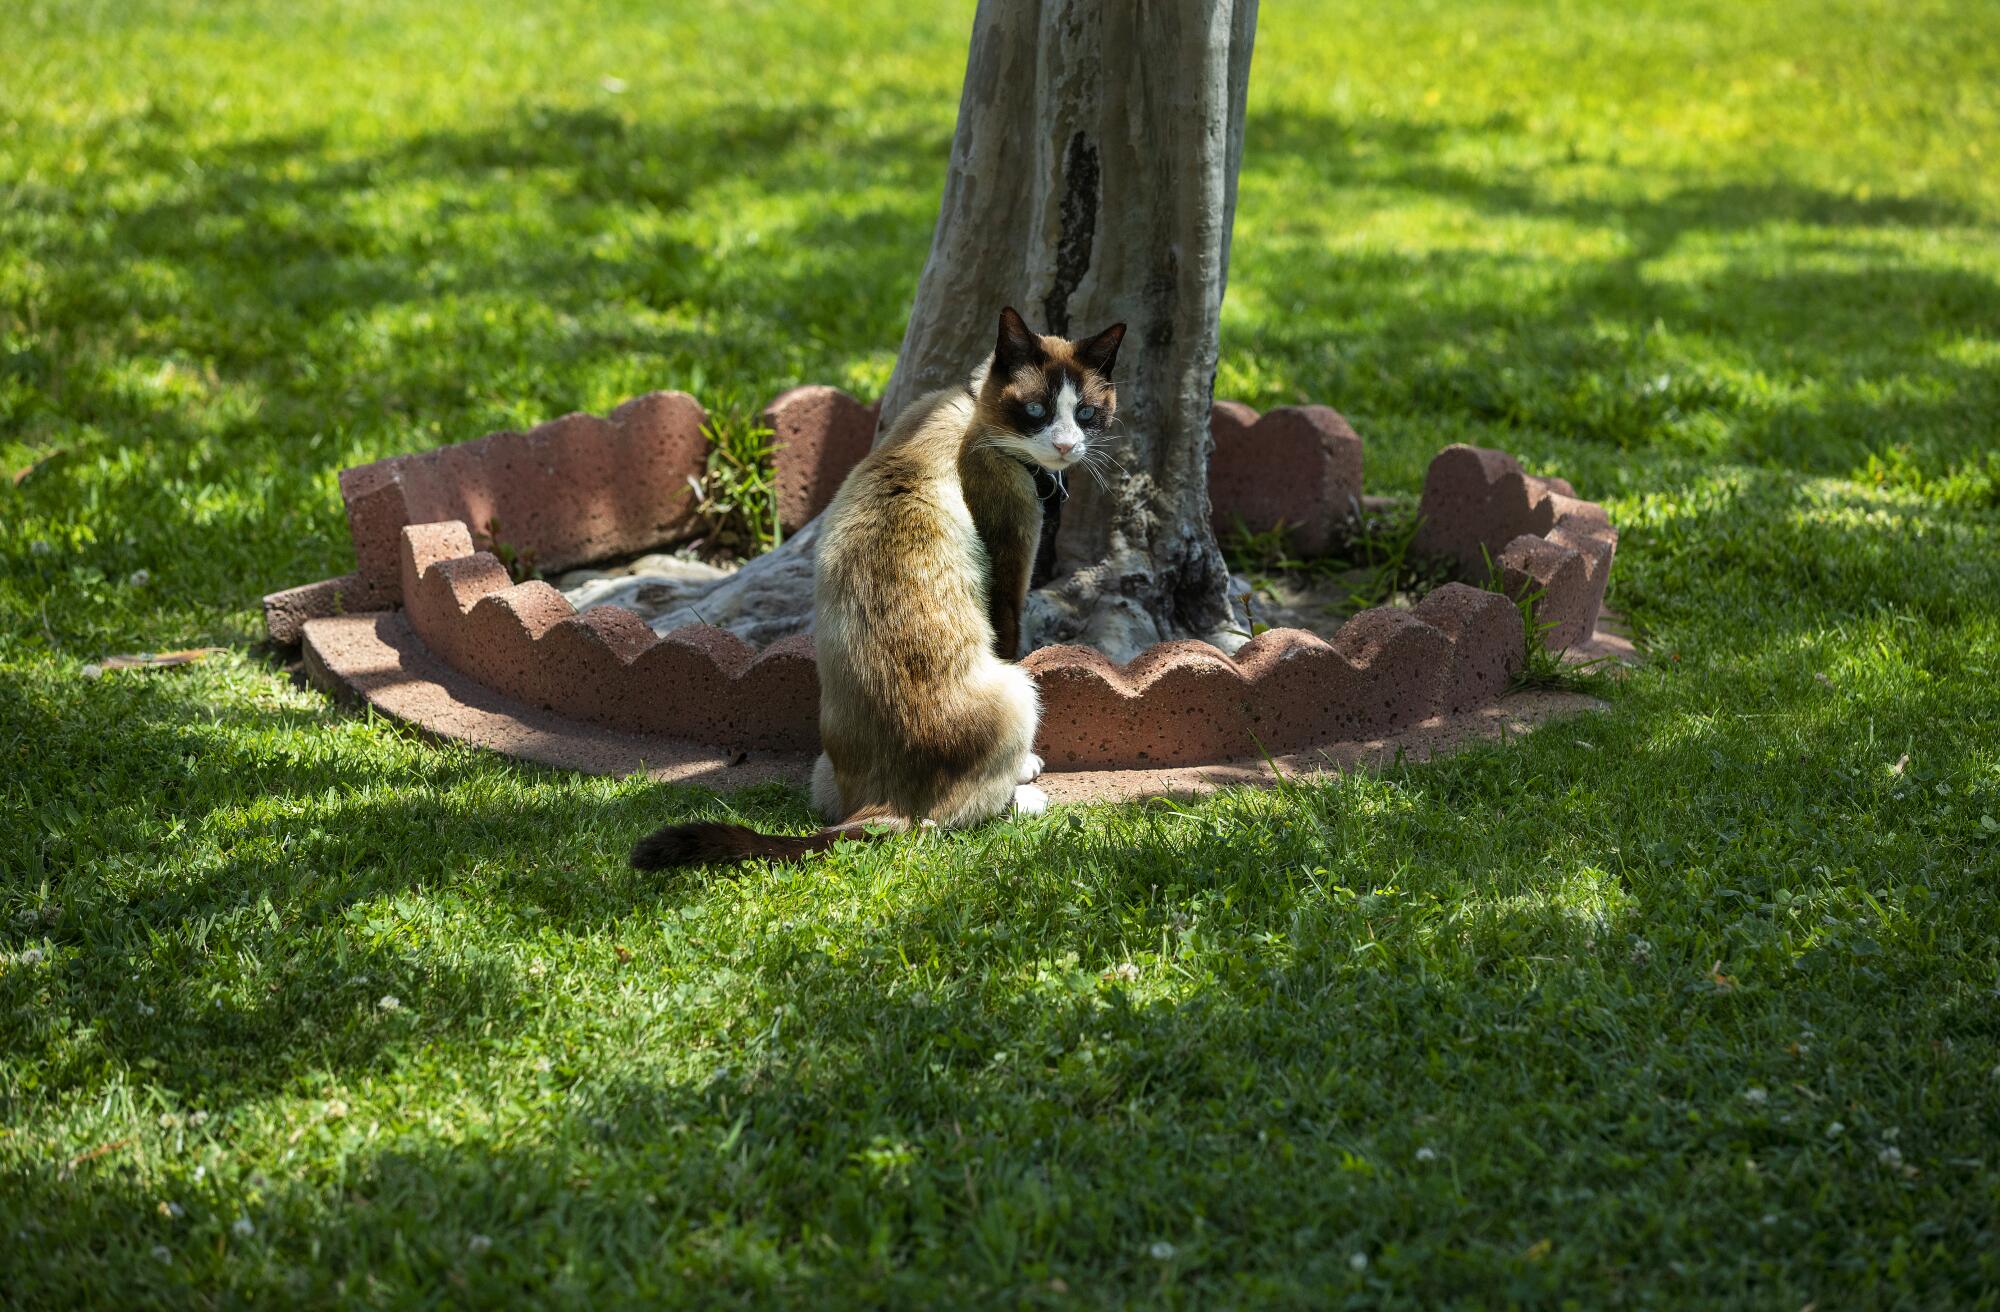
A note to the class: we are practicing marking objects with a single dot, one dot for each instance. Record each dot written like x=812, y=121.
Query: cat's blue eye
x=1036, y=409
x=1086, y=412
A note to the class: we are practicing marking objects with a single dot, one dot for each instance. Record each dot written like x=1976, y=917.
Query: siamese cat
x=919, y=581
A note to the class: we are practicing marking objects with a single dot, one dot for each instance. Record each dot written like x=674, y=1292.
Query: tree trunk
x=1092, y=181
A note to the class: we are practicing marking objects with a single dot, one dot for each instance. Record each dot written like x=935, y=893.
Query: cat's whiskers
x=1110, y=459
x=1095, y=459
x=1103, y=448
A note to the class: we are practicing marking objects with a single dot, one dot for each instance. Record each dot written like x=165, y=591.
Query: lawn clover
x=390, y=1002
x=478, y=1244
x=1161, y=1251
x=1359, y=1261
x=243, y=1228
x=1756, y=1096
x=1427, y=1154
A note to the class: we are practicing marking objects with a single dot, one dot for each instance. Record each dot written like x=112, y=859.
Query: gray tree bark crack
x=1079, y=228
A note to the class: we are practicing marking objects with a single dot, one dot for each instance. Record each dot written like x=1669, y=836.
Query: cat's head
x=1048, y=399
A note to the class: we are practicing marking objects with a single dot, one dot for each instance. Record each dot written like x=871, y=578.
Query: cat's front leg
x=1013, y=556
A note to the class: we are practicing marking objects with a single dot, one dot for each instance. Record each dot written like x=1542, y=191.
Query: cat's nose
x=1063, y=445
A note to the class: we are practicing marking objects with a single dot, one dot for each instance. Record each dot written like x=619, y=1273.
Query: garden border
x=582, y=489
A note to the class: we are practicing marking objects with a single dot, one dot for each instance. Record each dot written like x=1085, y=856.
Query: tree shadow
x=876, y=1138
x=325, y=307
x=1335, y=978
x=328, y=308
x=302, y=840
x=1633, y=319
x=1062, y=1123
x=238, y=888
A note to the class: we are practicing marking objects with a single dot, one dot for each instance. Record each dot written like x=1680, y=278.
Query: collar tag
x=1047, y=483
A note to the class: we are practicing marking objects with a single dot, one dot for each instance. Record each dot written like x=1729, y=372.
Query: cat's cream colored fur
x=921, y=572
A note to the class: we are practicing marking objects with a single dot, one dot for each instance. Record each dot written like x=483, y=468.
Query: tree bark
x=1093, y=181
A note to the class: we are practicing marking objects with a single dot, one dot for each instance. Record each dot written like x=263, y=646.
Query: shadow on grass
x=870, y=1139
x=1795, y=333
x=271, y=310
x=1366, y=974
x=1335, y=980
x=236, y=888
x=260, y=870
x=345, y=306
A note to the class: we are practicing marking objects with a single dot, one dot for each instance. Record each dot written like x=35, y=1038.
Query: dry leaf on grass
x=157, y=660
x=28, y=471
x=101, y=1150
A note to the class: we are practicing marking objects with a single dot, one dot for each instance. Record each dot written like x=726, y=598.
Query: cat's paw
x=1029, y=800
x=1031, y=769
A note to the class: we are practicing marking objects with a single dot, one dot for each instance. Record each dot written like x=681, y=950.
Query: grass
x=1370, y=564
x=1692, y=1003
x=736, y=500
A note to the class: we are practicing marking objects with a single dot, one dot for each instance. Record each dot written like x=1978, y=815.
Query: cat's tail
x=713, y=843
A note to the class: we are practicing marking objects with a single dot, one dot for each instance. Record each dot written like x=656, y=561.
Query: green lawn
x=1693, y=1003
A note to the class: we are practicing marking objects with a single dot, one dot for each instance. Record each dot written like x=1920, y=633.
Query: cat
x=920, y=577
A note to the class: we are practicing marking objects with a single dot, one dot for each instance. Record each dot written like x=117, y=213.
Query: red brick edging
x=581, y=489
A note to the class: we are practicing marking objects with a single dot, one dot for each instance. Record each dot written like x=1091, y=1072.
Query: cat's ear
x=1101, y=351
x=1016, y=347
